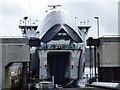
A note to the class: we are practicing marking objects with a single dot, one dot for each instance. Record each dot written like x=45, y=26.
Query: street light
x=25, y=18
x=97, y=18
x=25, y=29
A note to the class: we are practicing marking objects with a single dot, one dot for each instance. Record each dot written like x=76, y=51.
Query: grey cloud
x=107, y=12
x=11, y=9
x=10, y=13
x=83, y=10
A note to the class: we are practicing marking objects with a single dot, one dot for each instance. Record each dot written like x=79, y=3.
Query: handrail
x=12, y=37
x=111, y=36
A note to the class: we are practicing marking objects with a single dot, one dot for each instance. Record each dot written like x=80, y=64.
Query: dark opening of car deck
x=58, y=63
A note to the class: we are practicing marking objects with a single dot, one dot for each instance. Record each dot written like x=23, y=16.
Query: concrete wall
x=14, y=53
x=109, y=59
x=119, y=52
x=109, y=53
x=0, y=65
x=119, y=29
x=11, y=50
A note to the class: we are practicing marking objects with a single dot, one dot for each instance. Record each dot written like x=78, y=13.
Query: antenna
x=54, y=6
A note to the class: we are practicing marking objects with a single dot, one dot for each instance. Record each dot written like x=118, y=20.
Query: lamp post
x=97, y=18
x=25, y=29
x=95, y=62
x=25, y=18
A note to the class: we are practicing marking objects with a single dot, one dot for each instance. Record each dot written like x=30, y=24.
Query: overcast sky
x=11, y=11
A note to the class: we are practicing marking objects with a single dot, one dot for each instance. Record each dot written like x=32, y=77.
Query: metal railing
x=12, y=37
x=110, y=36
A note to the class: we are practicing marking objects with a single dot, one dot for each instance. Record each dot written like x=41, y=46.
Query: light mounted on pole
x=97, y=18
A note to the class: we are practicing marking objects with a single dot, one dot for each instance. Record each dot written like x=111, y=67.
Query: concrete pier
x=12, y=50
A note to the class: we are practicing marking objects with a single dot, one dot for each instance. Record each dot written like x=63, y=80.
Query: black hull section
x=34, y=67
